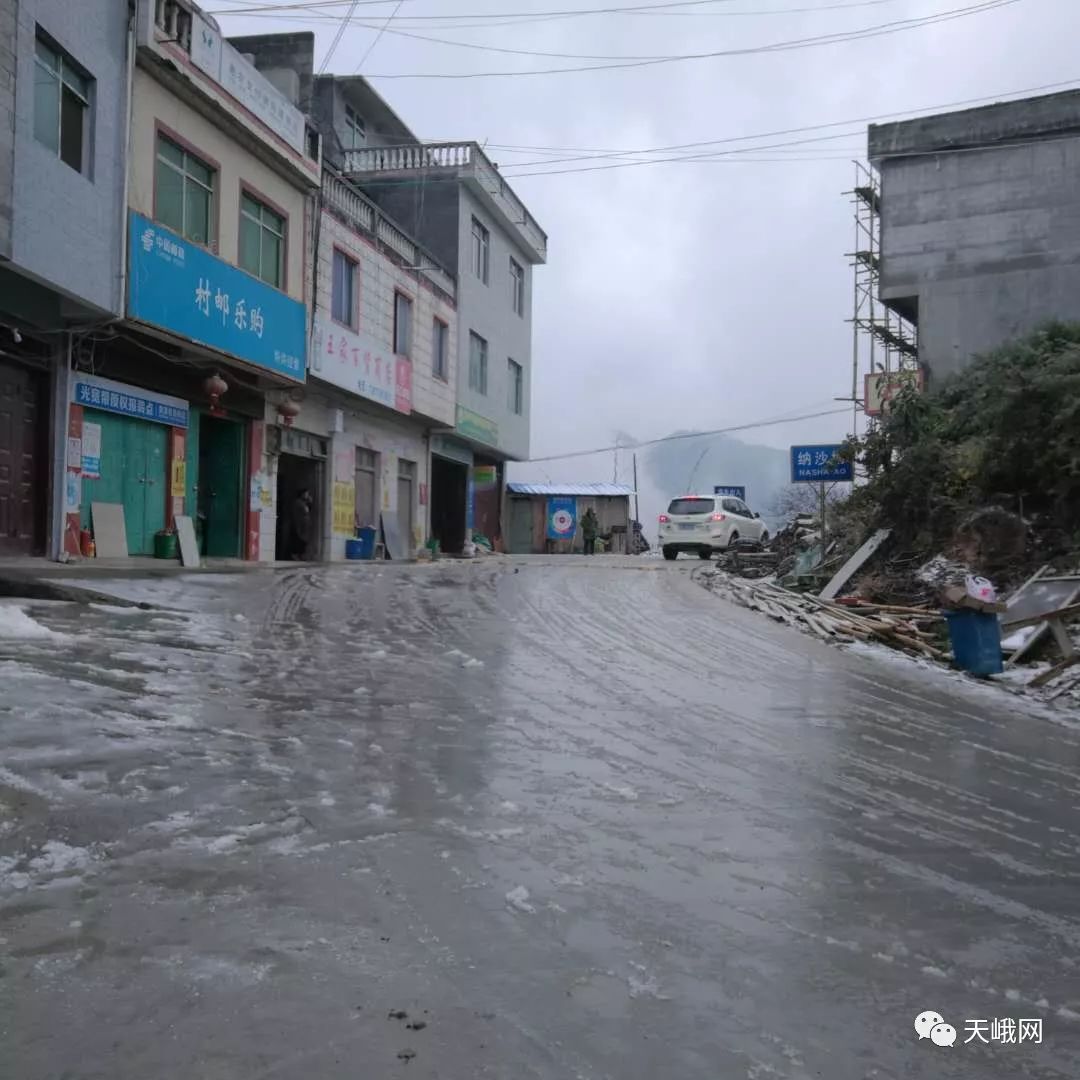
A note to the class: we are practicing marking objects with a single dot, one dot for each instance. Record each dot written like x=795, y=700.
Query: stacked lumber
x=907, y=628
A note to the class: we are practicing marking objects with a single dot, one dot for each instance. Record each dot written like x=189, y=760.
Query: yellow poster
x=344, y=507
x=179, y=478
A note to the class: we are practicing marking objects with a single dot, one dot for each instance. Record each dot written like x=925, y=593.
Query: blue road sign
x=735, y=491
x=814, y=464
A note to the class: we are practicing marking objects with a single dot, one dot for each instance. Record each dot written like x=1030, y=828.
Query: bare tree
x=804, y=500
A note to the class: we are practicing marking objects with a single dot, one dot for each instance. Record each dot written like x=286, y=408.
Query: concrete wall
x=488, y=310
x=153, y=104
x=9, y=10
x=391, y=438
x=68, y=226
x=380, y=278
x=287, y=60
x=987, y=241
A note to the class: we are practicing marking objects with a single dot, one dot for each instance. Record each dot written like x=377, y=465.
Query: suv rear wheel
x=733, y=539
x=670, y=554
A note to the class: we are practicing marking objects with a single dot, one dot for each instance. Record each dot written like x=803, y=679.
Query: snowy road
x=574, y=819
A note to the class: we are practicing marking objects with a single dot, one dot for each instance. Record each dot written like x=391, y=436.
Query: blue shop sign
x=181, y=287
x=814, y=464
x=94, y=392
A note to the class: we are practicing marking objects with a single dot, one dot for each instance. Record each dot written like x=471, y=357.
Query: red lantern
x=215, y=386
x=288, y=410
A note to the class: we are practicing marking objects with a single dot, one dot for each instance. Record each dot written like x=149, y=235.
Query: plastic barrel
x=975, y=637
x=166, y=546
x=363, y=546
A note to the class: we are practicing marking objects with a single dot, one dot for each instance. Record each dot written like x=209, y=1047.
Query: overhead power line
x=895, y=27
x=317, y=13
x=516, y=18
x=378, y=37
x=689, y=435
x=587, y=155
x=338, y=36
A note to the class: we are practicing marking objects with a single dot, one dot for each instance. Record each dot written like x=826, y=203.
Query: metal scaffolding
x=882, y=339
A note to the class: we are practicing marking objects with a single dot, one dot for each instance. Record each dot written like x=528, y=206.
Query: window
x=184, y=193
x=478, y=363
x=440, y=357
x=402, y=324
x=355, y=129
x=262, y=241
x=343, y=300
x=692, y=504
x=517, y=286
x=515, y=388
x=367, y=471
x=61, y=106
x=481, y=250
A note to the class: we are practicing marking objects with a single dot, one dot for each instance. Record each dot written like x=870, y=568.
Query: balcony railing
x=362, y=214
x=465, y=158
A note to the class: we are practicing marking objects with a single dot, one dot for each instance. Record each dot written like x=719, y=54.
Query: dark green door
x=221, y=475
x=133, y=471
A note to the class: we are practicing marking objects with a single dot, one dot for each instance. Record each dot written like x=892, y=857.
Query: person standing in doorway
x=300, y=525
x=589, y=528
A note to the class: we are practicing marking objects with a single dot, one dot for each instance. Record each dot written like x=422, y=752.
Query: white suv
x=708, y=523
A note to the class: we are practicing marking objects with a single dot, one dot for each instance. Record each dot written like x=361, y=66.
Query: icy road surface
x=516, y=819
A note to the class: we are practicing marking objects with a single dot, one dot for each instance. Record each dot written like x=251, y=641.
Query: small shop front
x=451, y=462
x=130, y=446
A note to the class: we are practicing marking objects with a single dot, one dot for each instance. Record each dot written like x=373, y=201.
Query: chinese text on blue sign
x=96, y=393
x=815, y=464
x=182, y=287
x=734, y=491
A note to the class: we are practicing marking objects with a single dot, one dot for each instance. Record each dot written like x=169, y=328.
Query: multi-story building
x=980, y=223
x=182, y=408
x=451, y=197
x=383, y=358
x=63, y=112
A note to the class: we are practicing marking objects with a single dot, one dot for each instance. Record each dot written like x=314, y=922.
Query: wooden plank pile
x=907, y=628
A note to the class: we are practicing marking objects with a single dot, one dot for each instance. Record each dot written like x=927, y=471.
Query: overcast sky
x=690, y=295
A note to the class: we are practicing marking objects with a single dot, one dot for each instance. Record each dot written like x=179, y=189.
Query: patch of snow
x=508, y=807
x=13, y=780
x=937, y=973
x=644, y=984
x=1012, y=995
x=518, y=899
x=375, y=749
x=942, y=571
x=15, y=623
x=1068, y=1014
x=378, y=810
x=472, y=662
x=622, y=790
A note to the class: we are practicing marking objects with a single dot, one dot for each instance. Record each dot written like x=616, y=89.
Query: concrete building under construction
x=979, y=215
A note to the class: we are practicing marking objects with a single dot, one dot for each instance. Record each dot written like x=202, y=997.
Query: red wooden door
x=20, y=497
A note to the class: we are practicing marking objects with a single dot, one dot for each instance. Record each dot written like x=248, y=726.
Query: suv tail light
x=718, y=517
x=664, y=519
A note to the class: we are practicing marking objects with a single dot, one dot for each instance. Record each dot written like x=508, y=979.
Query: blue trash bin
x=363, y=546
x=975, y=637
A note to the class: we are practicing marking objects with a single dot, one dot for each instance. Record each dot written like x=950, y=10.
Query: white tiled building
x=381, y=379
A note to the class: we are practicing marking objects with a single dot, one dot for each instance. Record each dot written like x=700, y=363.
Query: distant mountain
x=693, y=465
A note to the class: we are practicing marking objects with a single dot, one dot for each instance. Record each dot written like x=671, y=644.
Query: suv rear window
x=690, y=506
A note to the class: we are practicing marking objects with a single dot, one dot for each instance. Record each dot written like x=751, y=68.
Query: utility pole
x=637, y=516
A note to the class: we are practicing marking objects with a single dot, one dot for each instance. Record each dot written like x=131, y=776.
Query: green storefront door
x=221, y=484
x=134, y=456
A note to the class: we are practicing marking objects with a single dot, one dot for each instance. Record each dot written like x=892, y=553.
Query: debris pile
x=914, y=629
